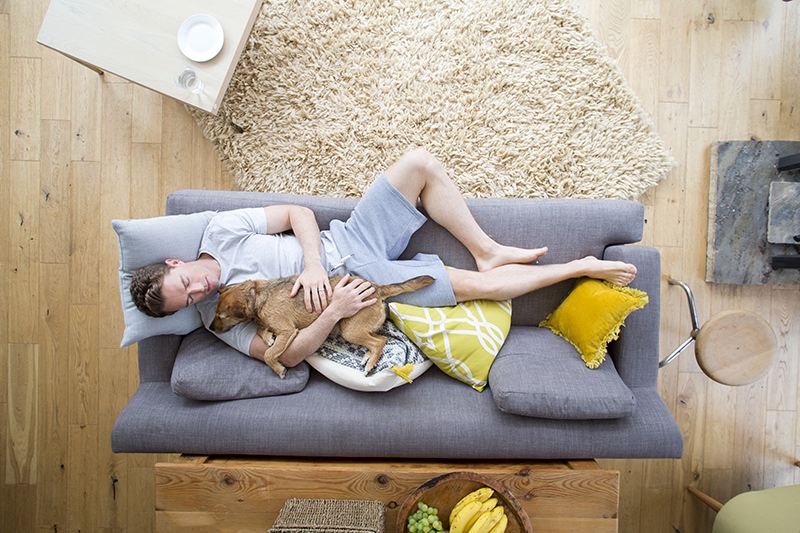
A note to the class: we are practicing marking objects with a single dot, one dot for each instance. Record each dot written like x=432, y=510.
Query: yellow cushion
x=591, y=316
x=462, y=340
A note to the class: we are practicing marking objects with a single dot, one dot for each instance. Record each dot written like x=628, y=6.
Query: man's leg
x=419, y=175
x=510, y=281
x=503, y=271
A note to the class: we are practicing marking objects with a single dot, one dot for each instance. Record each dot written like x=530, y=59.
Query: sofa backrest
x=570, y=228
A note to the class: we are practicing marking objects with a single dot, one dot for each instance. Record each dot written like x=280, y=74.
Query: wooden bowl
x=443, y=493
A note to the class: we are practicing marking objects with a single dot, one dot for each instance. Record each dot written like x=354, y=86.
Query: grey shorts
x=376, y=234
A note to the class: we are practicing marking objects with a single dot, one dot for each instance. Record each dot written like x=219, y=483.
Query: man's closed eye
x=189, y=298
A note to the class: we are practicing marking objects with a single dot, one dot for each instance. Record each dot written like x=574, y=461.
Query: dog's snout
x=218, y=326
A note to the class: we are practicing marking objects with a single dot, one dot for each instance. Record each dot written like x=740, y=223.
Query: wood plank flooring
x=78, y=150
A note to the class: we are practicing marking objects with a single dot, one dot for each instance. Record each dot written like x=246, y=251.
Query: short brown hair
x=146, y=289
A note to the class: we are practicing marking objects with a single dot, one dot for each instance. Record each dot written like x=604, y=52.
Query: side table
x=138, y=40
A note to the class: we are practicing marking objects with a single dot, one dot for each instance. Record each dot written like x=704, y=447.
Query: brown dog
x=274, y=311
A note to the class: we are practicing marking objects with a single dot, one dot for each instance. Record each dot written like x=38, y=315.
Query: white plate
x=200, y=37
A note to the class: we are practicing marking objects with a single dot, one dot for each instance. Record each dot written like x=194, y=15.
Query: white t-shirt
x=238, y=240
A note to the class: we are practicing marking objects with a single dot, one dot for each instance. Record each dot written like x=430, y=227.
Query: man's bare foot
x=615, y=272
x=506, y=255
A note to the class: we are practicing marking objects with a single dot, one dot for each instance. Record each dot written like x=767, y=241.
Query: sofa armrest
x=636, y=352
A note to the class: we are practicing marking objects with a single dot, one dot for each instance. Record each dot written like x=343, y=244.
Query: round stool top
x=736, y=347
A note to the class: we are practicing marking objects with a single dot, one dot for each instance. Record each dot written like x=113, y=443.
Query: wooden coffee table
x=227, y=494
x=138, y=40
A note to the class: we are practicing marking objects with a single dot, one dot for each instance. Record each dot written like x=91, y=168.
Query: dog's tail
x=413, y=284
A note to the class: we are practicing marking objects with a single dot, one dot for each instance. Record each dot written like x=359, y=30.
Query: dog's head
x=235, y=306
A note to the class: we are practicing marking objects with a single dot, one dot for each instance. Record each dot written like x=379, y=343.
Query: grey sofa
x=437, y=417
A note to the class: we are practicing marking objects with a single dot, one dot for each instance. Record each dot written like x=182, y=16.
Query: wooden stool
x=733, y=347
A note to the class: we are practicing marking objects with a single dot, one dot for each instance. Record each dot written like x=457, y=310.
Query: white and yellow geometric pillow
x=462, y=340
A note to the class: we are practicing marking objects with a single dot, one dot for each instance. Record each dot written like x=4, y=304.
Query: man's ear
x=173, y=262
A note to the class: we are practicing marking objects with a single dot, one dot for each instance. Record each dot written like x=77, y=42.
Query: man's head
x=162, y=289
x=146, y=289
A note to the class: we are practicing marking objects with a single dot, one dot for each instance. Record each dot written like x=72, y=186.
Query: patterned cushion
x=462, y=340
x=343, y=362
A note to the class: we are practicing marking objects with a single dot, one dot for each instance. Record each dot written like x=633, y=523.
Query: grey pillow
x=541, y=375
x=148, y=241
x=208, y=369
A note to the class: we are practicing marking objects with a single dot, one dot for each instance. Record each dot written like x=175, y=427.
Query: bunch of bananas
x=478, y=512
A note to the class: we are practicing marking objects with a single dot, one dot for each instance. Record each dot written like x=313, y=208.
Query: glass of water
x=187, y=79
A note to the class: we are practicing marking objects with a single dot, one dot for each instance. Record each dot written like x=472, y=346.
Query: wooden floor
x=78, y=150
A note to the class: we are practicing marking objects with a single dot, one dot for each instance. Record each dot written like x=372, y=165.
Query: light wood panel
x=78, y=149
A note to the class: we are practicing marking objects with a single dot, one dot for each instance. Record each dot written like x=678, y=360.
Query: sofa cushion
x=461, y=340
x=342, y=362
x=208, y=369
x=591, y=316
x=536, y=374
x=149, y=241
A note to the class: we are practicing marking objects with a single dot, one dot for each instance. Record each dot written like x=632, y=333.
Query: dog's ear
x=239, y=311
x=248, y=289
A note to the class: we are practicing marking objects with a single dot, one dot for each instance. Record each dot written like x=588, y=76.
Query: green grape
x=425, y=520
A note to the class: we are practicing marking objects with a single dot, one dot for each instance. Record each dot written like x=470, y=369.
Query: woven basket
x=330, y=516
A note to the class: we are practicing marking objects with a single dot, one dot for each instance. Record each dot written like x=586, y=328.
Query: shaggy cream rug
x=516, y=97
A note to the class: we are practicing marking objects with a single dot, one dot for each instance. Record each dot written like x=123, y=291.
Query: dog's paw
x=279, y=369
x=367, y=366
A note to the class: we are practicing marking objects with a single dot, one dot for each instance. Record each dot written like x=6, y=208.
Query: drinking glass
x=188, y=79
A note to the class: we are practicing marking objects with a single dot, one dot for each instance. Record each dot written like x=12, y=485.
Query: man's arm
x=313, y=279
x=349, y=297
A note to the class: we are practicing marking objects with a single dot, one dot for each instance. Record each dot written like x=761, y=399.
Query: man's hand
x=313, y=279
x=316, y=288
x=349, y=296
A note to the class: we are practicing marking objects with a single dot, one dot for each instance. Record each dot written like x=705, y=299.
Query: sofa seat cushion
x=539, y=374
x=208, y=369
